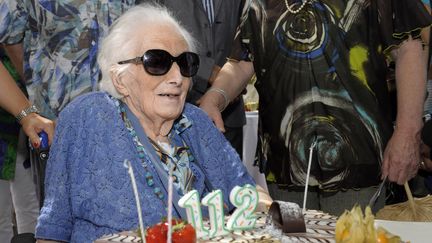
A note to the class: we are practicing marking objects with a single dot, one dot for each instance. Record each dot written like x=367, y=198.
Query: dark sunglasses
x=158, y=62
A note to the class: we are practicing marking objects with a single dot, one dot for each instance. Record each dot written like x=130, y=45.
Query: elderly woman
x=146, y=61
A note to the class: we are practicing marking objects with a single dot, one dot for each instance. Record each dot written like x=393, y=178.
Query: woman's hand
x=230, y=81
x=264, y=200
x=210, y=103
x=33, y=124
x=13, y=100
x=401, y=157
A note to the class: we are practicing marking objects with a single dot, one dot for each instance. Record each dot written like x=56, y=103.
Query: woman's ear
x=118, y=82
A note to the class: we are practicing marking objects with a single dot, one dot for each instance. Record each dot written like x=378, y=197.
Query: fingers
x=393, y=174
x=402, y=178
x=401, y=157
x=263, y=207
x=385, y=168
x=218, y=121
x=264, y=201
x=34, y=138
x=49, y=129
x=401, y=172
x=33, y=124
x=216, y=116
x=410, y=171
x=208, y=103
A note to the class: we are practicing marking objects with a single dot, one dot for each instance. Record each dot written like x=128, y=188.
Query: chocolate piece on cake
x=287, y=216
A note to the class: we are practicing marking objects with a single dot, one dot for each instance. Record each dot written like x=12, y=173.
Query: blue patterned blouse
x=60, y=39
x=88, y=191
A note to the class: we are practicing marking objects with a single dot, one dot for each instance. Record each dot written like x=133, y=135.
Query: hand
x=264, y=201
x=401, y=157
x=209, y=103
x=34, y=124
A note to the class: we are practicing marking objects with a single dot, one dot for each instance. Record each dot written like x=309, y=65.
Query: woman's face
x=162, y=97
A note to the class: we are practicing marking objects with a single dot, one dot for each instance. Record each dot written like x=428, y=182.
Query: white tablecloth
x=413, y=232
x=250, y=138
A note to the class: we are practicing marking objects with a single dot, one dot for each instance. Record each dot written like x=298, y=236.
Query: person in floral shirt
x=59, y=40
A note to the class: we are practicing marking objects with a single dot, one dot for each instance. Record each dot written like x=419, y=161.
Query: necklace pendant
x=158, y=193
x=149, y=179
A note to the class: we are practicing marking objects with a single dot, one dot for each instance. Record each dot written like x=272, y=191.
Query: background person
x=57, y=41
x=17, y=190
x=213, y=23
x=321, y=68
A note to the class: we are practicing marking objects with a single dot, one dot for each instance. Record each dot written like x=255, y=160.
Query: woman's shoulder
x=90, y=103
x=193, y=113
x=202, y=125
x=91, y=98
x=91, y=109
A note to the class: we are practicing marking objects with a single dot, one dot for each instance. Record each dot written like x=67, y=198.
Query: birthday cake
x=281, y=224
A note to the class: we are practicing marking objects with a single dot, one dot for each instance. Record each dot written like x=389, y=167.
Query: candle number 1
x=245, y=199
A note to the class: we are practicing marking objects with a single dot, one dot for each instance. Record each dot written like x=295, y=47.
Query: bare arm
x=16, y=55
x=402, y=154
x=14, y=101
x=11, y=97
x=425, y=150
x=232, y=79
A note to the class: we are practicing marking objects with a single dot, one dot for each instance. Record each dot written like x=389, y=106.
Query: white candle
x=190, y=201
x=308, y=175
x=246, y=200
x=214, y=202
x=170, y=151
x=127, y=164
x=170, y=199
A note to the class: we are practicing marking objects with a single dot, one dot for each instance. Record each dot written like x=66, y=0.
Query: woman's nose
x=174, y=75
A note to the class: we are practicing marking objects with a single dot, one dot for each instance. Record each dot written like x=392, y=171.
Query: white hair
x=122, y=38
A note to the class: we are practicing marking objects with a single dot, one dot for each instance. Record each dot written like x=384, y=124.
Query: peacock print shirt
x=321, y=81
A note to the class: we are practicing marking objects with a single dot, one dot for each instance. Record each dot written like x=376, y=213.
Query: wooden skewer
x=410, y=199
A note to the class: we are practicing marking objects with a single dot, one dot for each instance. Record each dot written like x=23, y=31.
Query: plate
x=414, y=232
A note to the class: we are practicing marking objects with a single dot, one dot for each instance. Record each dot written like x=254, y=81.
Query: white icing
x=266, y=231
